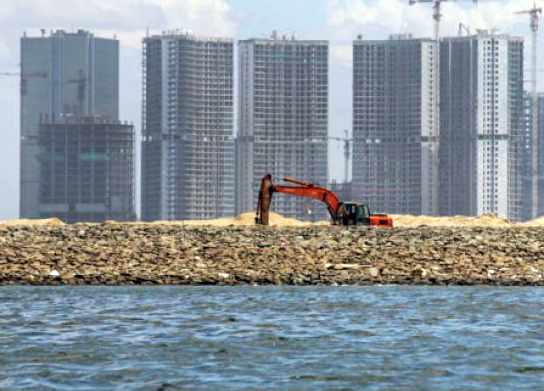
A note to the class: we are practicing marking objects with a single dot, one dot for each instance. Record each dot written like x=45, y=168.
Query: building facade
x=528, y=157
x=481, y=122
x=395, y=125
x=86, y=169
x=64, y=73
x=187, y=127
x=282, y=120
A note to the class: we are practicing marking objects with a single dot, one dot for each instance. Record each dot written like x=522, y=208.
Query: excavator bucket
x=265, y=198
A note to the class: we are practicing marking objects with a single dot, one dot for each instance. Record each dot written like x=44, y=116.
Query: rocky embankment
x=168, y=254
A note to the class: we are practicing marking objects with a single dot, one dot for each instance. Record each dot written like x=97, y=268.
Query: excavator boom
x=319, y=193
x=306, y=190
x=307, y=184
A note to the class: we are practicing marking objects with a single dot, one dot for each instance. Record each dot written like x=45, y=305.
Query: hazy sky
x=338, y=21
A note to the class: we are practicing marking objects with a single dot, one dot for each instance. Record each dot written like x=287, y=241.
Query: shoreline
x=124, y=254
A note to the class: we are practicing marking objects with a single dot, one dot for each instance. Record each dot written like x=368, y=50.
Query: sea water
x=271, y=338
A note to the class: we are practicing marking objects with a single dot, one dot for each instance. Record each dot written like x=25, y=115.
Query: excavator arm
x=306, y=189
x=318, y=193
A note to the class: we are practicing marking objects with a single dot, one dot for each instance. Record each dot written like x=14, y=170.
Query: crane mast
x=434, y=132
x=347, y=152
x=534, y=12
x=437, y=14
x=347, y=156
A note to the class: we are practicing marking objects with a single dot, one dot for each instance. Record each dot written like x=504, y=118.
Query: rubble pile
x=117, y=253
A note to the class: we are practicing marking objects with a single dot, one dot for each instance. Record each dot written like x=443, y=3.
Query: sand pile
x=32, y=222
x=487, y=220
x=539, y=222
x=277, y=220
x=245, y=219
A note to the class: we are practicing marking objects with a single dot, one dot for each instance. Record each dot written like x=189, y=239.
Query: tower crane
x=437, y=15
x=347, y=153
x=81, y=81
x=533, y=12
x=24, y=76
x=463, y=27
x=435, y=132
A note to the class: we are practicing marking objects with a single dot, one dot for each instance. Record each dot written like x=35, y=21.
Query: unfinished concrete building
x=86, y=169
x=187, y=127
x=282, y=120
x=528, y=156
x=63, y=73
x=395, y=124
x=481, y=125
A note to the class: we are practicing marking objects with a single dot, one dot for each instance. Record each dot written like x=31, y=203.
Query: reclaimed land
x=117, y=253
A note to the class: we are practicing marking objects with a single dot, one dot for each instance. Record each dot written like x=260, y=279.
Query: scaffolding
x=482, y=130
x=395, y=124
x=86, y=169
x=188, y=141
x=283, y=120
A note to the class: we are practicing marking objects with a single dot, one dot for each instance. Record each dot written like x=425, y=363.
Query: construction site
x=441, y=126
x=86, y=169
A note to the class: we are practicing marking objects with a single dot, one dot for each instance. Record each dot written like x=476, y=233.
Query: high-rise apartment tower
x=187, y=127
x=528, y=155
x=282, y=120
x=62, y=74
x=481, y=125
x=395, y=124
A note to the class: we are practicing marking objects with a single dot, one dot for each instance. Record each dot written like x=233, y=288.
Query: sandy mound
x=277, y=220
x=539, y=222
x=245, y=219
x=34, y=222
x=487, y=220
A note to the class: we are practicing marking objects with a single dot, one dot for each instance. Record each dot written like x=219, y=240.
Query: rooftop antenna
x=533, y=12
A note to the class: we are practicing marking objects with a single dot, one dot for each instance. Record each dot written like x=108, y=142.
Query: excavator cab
x=354, y=213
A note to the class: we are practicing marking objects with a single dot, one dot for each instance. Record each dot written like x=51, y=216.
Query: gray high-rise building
x=282, y=120
x=187, y=127
x=481, y=125
x=62, y=74
x=395, y=124
x=528, y=156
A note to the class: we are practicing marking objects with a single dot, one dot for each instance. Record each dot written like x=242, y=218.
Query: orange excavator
x=342, y=213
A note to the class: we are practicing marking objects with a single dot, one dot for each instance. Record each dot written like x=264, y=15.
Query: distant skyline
x=338, y=21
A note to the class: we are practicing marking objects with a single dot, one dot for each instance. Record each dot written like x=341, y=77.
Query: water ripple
x=271, y=338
